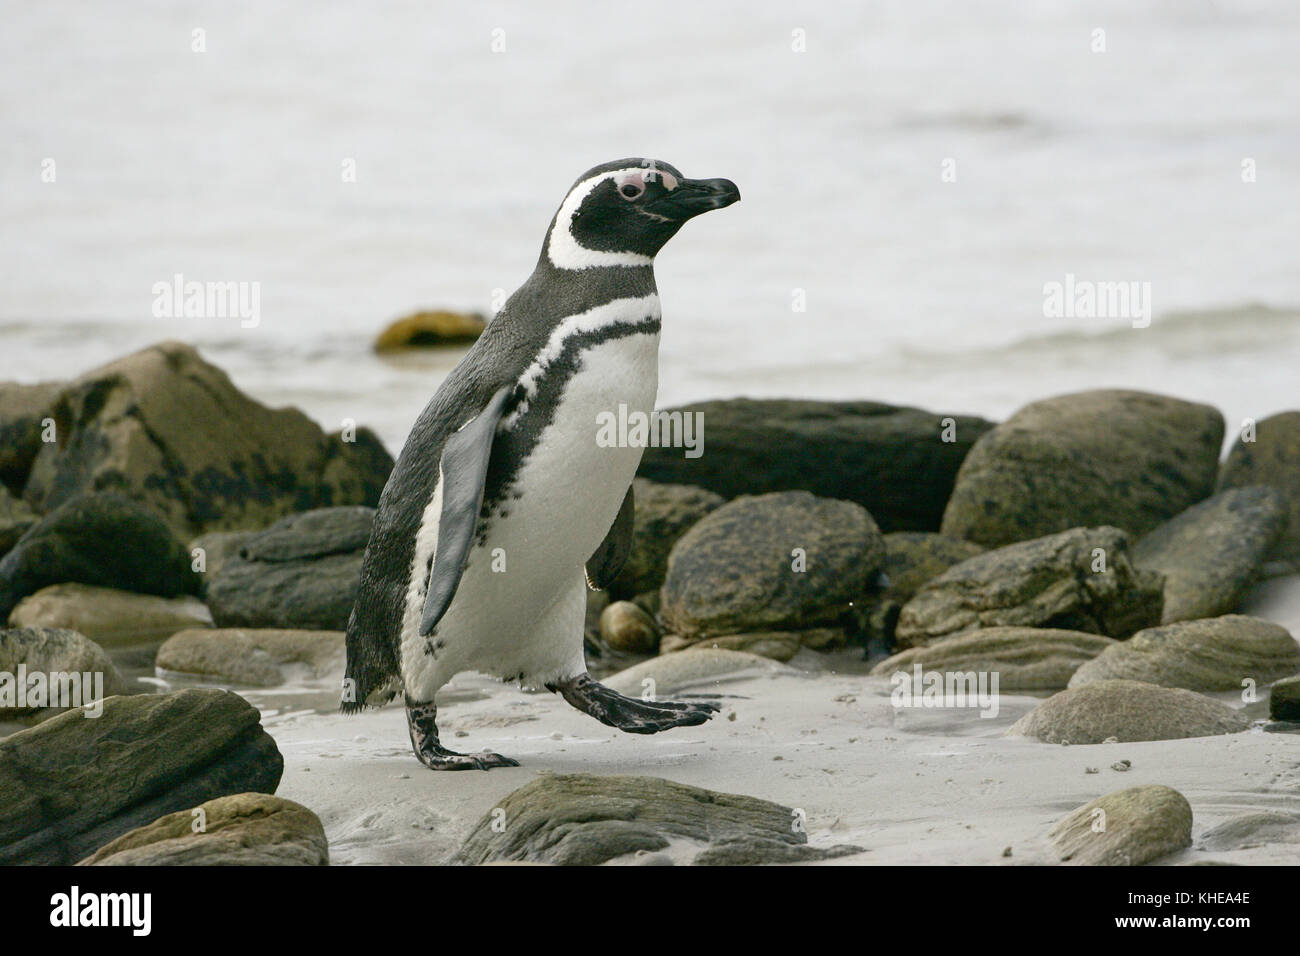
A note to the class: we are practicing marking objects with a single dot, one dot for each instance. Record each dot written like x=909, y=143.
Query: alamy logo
x=179, y=299
x=1085, y=299
x=36, y=690
x=635, y=429
x=75, y=908
x=923, y=688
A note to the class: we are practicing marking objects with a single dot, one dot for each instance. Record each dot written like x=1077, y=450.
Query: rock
x=262, y=657
x=1272, y=459
x=1121, y=458
x=914, y=558
x=697, y=667
x=1212, y=552
x=110, y=618
x=217, y=547
x=105, y=540
x=1025, y=658
x=70, y=785
x=16, y=519
x=430, y=328
x=584, y=820
x=246, y=829
x=55, y=651
x=892, y=460
x=1214, y=654
x=1129, y=711
x=777, y=645
x=1284, y=699
x=1047, y=582
x=302, y=572
x=24, y=412
x=1125, y=828
x=663, y=514
x=1251, y=830
x=625, y=627
x=735, y=570
x=168, y=429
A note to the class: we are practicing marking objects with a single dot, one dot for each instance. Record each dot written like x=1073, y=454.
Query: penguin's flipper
x=604, y=565
x=463, y=471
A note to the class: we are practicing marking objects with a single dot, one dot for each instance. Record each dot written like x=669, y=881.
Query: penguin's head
x=622, y=213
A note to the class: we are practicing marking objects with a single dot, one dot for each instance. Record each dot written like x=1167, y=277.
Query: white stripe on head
x=564, y=250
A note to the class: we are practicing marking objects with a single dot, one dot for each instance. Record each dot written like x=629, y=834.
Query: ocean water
x=466, y=123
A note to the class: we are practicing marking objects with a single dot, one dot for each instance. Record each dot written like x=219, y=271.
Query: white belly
x=519, y=608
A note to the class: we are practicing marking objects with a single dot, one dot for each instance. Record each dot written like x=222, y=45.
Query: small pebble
x=1122, y=765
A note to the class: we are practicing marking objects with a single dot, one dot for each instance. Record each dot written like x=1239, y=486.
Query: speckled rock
x=1212, y=552
x=70, y=785
x=663, y=514
x=50, y=650
x=1213, y=654
x=258, y=657
x=786, y=561
x=245, y=829
x=1284, y=699
x=625, y=627
x=914, y=558
x=1025, y=658
x=16, y=519
x=1079, y=580
x=110, y=618
x=1129, y=711
x=1125, y=828
x=585, y=820
x=1107, y=457
x=105, y=540
x=23, y=410
x=897, y=462
x=1272, y=459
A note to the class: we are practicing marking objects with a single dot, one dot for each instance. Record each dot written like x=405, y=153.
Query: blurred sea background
x=225, y=165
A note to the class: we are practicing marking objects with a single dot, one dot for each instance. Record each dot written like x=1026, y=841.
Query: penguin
x=503, y=508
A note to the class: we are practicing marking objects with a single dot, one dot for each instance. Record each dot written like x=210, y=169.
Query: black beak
x=694, y=196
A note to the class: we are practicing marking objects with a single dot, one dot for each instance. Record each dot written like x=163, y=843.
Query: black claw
x=627, y=713
x=422, y=721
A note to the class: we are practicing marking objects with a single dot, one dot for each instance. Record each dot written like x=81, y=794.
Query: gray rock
x=16, y=519
x=258, y=657
x=168, y=429
x=892, y=460
x=663, y=514
x=734, y=571
x=1129, y=711
x=702, y=667
x=301, y=573
x=1121, y=458
x=70, y=785
x=778, y=645
x=110, y=618
x=625, y=627
x=56, y=651
x=586, y=820
x=1214, y=654
x=246, y=829
x=1212, y=552
x=914, y=558
x=1024, y=658
x=1284, y=699
x=1253, y=829
x=217, y=548
x=1125, y=828
x=1056, y=581
x=23, y=408
x=1272, y=459
x=105, y=540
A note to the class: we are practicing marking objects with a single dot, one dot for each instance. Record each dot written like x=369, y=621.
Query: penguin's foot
x=422, y=721
x=627, y=713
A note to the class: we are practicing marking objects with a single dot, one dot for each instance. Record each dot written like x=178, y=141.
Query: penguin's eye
x=631, y=190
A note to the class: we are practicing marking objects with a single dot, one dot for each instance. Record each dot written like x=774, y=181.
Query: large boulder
x=54, y=651
x=70, y=785
x=1128, y=459
x=1212, y=552
x=105, y=540
x=1214, y=654
x=897, y=462
x=1129, y=711
x=1284, y=699
x=1024, y=658
x=170, y=430
x=301, y=573
x=663, y=514
x=585, y=820
x=783, y=561
x=1125, y=828
x=778, y=645
x=429, y=329
x=16, y=519
x=257, y=657
x=1080, y=580
x=108, y=617
x=698, y=668
x=246, y=829
x=25, y=411
x=1273, y=459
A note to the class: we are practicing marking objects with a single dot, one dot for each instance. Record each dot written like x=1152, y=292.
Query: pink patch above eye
x=670, y=181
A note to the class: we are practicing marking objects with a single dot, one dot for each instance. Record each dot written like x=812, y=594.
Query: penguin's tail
x=369, y=680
